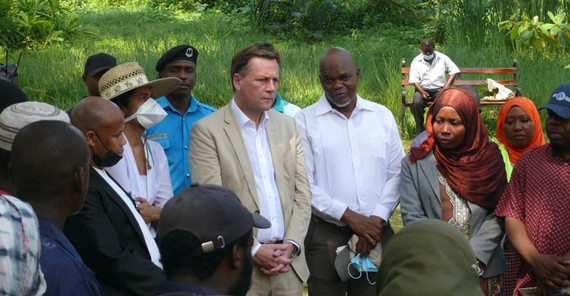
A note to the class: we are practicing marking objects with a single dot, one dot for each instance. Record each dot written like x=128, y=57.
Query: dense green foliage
x=378, y=32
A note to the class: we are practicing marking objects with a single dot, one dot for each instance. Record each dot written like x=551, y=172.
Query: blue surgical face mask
x=428, y=57
x=362, y=265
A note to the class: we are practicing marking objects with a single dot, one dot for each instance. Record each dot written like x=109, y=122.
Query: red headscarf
x=475, y=169
x=530, y=109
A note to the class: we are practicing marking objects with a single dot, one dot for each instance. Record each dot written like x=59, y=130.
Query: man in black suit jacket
x=108, y=232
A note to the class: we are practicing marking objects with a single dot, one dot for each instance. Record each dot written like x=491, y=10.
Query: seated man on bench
x=427, y=74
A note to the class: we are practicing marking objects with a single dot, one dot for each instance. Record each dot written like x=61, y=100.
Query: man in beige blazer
x=258, y=153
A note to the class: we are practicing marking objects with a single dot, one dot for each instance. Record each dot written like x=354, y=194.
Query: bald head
x=46, y=158
x=92, y=113
x=335, y=56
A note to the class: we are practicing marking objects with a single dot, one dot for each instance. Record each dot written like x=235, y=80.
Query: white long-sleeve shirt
x=352, y=162
x=257, y=146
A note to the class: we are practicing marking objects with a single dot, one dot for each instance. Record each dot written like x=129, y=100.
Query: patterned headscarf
x=475, y=169
x=530, y=109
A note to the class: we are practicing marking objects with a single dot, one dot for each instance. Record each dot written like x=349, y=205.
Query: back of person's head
x=429, y=257
x=50, y=158
x=256, y=50
x=10, y=94
x=206, y=232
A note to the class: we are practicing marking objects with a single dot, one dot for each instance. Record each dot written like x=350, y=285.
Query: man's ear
x=357, y=74
x=90, y=137
x=237, y=258
x=84, y=78
x=160, y=75
x=236, y=81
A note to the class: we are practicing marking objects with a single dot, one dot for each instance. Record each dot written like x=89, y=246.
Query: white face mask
x=149, y=114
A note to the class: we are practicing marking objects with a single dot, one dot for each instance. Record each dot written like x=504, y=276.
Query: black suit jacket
x=108, y=238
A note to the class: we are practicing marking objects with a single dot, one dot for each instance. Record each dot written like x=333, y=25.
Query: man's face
x=255, y=91
x=92, y=82
x=427, y=50
x=184, y=70
x=558, y=132
x=110, y=136
x=339, y=78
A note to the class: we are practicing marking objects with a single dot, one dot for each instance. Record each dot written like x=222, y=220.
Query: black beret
x=180, y=52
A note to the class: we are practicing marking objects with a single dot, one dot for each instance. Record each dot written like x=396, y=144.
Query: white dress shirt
x=352, y=162
x=255, y=140
x=432, y=76
x=148, y=238
x=155, y=187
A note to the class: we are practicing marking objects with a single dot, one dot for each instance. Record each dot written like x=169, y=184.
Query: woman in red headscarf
x=518, y=130
x=457, y=175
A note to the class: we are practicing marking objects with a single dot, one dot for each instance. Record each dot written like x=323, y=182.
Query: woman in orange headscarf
x=518, y=130
x=457, y=175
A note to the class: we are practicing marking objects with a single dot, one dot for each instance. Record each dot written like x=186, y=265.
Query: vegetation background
x=56, y=37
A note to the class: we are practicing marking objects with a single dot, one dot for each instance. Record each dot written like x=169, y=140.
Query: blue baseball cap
x=559, y=101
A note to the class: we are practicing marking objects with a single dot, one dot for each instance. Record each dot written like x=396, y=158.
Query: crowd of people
x=140, y=189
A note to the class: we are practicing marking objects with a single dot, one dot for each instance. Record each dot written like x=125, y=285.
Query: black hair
x=179, y=256
x=122, y=100
x=11, y=94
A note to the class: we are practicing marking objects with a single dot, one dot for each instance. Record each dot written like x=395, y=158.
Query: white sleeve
x=164, y=191
x=414, y=76
x=451, y=67
x=390, y=195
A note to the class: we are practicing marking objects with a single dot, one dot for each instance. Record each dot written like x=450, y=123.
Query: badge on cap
x=561, y=96
x=189, y=52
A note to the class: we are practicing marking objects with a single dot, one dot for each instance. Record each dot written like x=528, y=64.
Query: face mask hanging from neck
x=148, y=114
x=110, y=159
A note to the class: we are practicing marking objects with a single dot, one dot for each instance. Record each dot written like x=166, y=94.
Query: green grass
x=54, y=75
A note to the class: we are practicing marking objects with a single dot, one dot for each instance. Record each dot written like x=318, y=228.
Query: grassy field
x=54, y=75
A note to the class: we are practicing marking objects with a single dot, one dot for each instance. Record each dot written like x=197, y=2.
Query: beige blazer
x=218, y=156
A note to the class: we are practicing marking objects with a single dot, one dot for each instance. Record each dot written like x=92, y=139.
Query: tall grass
x=54, y=75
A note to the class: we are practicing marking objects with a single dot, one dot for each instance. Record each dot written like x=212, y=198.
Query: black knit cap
x=180, y=52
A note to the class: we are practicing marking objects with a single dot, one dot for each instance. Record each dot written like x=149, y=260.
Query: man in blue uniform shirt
x=173, y=133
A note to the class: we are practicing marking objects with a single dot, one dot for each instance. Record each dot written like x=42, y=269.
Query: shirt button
x=187, y=175
x=185, y=147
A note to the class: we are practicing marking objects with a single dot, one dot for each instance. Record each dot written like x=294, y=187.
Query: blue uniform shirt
x=64, y=271
x=173, y=134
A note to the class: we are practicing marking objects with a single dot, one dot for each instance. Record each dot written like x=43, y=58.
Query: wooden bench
x=459, y=82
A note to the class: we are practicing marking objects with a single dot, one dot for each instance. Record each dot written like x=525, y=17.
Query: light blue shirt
x=173, y=134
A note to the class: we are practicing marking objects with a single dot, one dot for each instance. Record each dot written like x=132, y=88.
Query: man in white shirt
x=353, y=154
x=258, y=153
x=108, y=232
x=427, y=74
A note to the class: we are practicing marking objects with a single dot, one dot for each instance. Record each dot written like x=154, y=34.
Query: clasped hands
x=552, y=273
x=368, y=229
x=274, y=258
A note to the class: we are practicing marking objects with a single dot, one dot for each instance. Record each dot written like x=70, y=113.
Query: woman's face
x=448, y=128
x=137, y=98
x=519, y=129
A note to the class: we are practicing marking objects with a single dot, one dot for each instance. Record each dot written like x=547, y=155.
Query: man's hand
x=149, y=212
x=550, y=270
x=270, y=258
x=425, y=95
x=363, y=247
x=542, y=289
x=366, y=227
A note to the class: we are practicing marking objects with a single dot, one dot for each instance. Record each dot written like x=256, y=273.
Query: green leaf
x=567, y=66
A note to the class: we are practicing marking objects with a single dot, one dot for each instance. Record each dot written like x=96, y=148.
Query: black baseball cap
x=559, y=101
x=98, y=62
x=180, y=52
x=212, y=213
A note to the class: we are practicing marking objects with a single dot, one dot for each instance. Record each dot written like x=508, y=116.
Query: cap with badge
x=129, y=76
x=99, y=62
x=559, y=101
x=17, y=116
x=180, y=52
x=212, y=213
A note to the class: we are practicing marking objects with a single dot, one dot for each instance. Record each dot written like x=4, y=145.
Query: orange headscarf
x=530, y=109
x=475, y=169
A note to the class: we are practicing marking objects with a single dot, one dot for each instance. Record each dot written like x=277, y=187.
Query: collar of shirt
x=243, y=120
x=165, y=104
x=323, y=106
